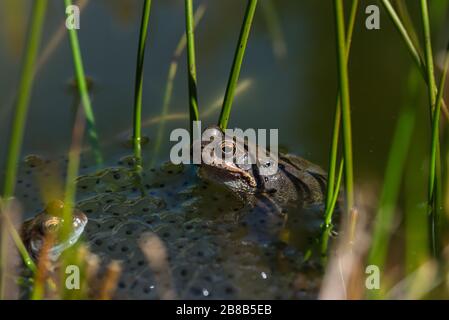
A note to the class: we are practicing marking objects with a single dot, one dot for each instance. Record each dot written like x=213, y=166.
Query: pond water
x=292, y=88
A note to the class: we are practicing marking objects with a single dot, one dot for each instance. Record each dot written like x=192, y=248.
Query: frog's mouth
x=232, y=177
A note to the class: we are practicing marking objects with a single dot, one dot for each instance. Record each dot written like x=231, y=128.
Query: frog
x=49, y=222
x=296, y=179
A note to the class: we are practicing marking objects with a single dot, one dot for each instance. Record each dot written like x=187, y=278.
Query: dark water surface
x=294, y=91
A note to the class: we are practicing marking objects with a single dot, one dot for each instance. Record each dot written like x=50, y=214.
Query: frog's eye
x=228, y=149
x=52, y=225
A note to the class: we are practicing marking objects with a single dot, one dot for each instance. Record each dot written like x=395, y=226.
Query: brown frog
x=295, y=180
x=49, y=222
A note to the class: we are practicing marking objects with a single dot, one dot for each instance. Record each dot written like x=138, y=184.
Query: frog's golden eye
x=52, y=225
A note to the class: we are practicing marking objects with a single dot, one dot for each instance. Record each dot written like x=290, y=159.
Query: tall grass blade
x=83, y=90
x=345, y=104
x=18, y=129
x=237, y=63
x=168, y=92
x=191, y=63
x=414, y=52
x=137, y=114
x=435, y=164
x=334, y=189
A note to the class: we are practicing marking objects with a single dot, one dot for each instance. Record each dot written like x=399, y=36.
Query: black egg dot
x=146, y=209
x=116, y=176
x=166, y=234
x=98, y=242
x=125, y=249
x=140, y=263
x=129, y=232
x=195, y=291
x=229, y=290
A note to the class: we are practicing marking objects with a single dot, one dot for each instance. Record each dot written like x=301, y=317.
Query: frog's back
x=308, y=174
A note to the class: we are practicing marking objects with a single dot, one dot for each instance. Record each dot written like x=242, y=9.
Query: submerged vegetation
x=373, y=221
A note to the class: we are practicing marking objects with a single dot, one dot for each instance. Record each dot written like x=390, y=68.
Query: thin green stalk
x=137, y=117
x=172, y=71
x=23, y=99
x=337, y=119
x=414, y=52
x=237, y=63
x=428, y=53
x=404, y=34
x=83, y=90
x=406, y=19
x=327, y=226
x=70, y=183
x=432, y=98
x=345, y=104
x=332, y=189
x=18, y=129
x=193, y=95
x=434, y=153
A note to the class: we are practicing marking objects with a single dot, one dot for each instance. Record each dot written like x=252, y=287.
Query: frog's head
x=231, y=161
x=49, y=223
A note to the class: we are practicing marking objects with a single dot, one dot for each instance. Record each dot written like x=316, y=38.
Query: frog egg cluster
x=215, y=247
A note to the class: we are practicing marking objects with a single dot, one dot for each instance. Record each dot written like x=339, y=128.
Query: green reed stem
x=433, y=213
x=83, y=90
x=414, y=52
x=137, y=117
x=18, y=130
x=193, y=94
x=327, y=226
x=24, y=95
x=434, y=151
x=172, y=71
x=70, y=184
x=332, y=189
x=404, y=34
x=237, y=63
x=337, y=119
x=345, y=104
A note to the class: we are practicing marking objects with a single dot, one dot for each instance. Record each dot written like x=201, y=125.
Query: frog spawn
x=210, y=238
